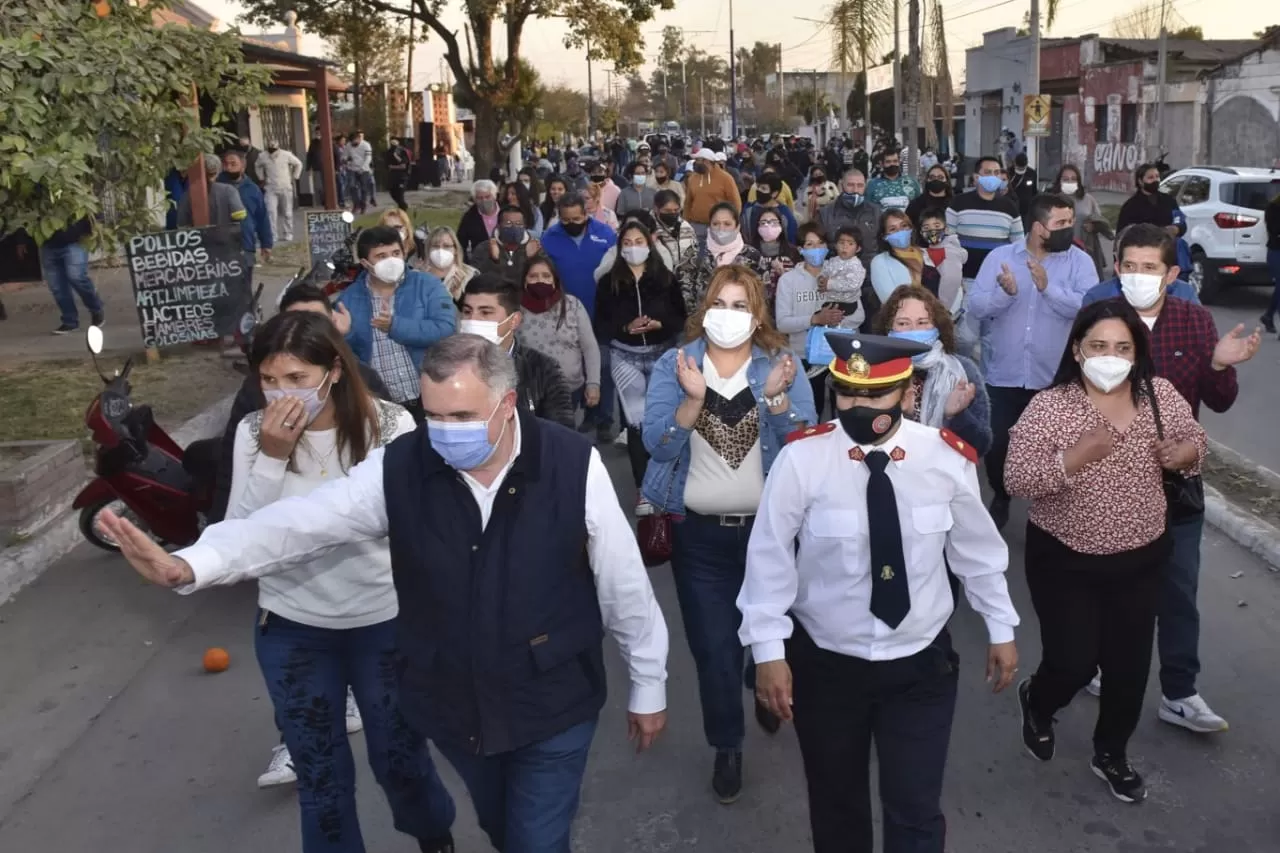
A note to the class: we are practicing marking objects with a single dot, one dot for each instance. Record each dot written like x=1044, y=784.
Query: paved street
x=1250, y=425
x=112, y=739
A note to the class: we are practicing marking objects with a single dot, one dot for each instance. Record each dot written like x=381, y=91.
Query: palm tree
x=857, y=29
x=809, y=103
x=935, y=61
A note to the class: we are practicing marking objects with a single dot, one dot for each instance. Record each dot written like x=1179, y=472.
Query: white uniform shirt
x=817, y=492
x=354, y=509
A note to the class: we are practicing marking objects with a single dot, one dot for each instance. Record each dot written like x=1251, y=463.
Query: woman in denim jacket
x=717, y=412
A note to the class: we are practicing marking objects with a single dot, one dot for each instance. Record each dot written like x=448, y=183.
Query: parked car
x=1225, y=232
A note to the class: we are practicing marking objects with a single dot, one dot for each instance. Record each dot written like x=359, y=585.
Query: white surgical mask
x=1070, y=187
x=1106, y=372
x=490, y=330
x=635, y=255
x=389, y=269
x=441, y=258
x=727, y=328
x=722, y=236
x=1140, y=289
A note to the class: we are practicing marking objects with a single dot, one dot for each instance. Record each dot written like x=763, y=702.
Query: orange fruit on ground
x=216, y=660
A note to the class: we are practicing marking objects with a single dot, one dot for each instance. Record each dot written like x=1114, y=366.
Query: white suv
x=1224, y=206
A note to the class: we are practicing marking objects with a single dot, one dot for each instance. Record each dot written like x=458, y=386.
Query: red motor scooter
x=138, y=465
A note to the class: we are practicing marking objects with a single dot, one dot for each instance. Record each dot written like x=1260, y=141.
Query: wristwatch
x=776, y=400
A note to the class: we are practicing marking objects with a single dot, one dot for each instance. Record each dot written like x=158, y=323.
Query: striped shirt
x=982, y=225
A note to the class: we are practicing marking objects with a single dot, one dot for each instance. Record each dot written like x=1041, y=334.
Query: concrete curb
x=1243, y=527
x=23, y=563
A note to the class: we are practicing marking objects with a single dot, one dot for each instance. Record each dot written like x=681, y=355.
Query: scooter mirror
x=247, y=322
x=348, y=217
x=94, y=339
x=330, y=265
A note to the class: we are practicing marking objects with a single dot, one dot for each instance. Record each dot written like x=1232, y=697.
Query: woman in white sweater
x=329, y=622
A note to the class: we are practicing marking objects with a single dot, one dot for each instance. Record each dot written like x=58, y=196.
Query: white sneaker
x=1191, y=713
x=621, y=438
x=280, y=770
x=1095, y=686
x=354, y=723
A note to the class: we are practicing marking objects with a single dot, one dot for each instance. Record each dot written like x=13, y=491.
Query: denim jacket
x=422, y=313
x=668, y=442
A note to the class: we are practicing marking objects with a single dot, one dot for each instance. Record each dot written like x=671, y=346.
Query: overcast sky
x=804, y=45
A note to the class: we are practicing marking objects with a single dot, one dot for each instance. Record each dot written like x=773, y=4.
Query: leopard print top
x=730, y=425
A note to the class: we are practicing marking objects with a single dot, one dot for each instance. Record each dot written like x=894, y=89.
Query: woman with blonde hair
x=717, y=411
x=446, y=262
x=596, y=207
x=399, y=220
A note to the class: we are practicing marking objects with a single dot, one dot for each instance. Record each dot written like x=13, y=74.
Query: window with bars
x=277, y=125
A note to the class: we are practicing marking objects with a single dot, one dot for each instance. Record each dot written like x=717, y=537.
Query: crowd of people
x=808, y=368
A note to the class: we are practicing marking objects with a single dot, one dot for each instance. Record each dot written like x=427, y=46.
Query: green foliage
x=562, y=110
x=1188, y=32
x=95, y=111
x=368, y=41
x=809, y=103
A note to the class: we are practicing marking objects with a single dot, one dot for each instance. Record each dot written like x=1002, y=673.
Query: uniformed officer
x=875, y=502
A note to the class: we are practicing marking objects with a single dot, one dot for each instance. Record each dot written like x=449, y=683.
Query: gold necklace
x=322, y=462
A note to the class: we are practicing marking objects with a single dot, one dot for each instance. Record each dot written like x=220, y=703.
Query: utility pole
x=702, y=108
x=408, y=88
x=896, y=129
x=733, y=79
x=782, y=95
x=1163, y=60
x=684, y=93
x=1033, y=83
x=591, y=98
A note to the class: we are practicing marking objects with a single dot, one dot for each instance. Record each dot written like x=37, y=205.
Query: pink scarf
x=727, y=254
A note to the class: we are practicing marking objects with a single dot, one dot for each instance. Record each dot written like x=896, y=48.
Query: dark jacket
x=1023, y=189
x=865, y=217
x=1157, y=209
x=256, y=225
x=656, y=297
x=249, y=399
x=506, y=647
x=541, y=388
x=73, y=233
x=471, y=230
x=510, y=264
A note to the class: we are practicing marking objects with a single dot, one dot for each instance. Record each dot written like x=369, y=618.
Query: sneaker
x=98, y=318
x=64, y=329
x=643, y=507
x=1191, y=713
x=1095, y=685
x=726, y=778
x=1037, y=737
x=437, y=845
x=280, y=770
x=354, y=723
x=1000, y=512
x=1116, y=771
x=1268, y=323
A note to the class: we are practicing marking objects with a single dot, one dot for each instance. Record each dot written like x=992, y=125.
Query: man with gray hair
x=480, y=220
x=511, y=558
x=225, y=206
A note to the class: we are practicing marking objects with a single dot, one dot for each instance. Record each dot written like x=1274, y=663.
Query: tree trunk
x=913, y=85
x=488, y=151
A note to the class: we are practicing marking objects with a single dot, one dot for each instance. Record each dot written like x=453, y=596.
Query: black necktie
x=890, y=597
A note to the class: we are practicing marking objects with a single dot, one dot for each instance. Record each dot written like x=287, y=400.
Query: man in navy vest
x=511, y=558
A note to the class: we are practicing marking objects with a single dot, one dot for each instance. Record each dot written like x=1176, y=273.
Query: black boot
x=1268, y=323
x=726, y=778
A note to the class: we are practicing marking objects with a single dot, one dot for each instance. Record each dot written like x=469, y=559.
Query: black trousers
x=841, y=703
x=396, y=184
x=1007, y=405
x=1095, y=612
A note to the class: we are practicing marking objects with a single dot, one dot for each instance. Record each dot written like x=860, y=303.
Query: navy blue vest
x=500, y=629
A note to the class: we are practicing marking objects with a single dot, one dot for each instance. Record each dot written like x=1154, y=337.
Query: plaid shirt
x=1182, y=344
x=391, y=360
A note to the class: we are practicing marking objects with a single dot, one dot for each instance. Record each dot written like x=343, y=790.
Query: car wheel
x=1204, y=278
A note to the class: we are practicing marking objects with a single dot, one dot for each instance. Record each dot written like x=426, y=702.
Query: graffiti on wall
x=1115, y=157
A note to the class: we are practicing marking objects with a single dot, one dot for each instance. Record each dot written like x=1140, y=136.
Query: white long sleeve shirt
x=354, y=510
x=279, y=169
x=817, y=491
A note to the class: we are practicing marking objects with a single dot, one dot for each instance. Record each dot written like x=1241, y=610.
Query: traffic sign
x=1035, y=115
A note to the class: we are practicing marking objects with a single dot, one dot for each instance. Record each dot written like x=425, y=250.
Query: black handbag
x=1183, y=494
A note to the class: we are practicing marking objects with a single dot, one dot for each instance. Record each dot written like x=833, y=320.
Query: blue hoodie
x=423, y=313
x=576, y=259
x=256, y=225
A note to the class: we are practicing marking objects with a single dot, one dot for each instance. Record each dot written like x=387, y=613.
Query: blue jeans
x=601, y=414
x=708, y=562
x=363, y=194
x=1178, y=618
x=526, y=799
x=66, y=268
x=307, y=671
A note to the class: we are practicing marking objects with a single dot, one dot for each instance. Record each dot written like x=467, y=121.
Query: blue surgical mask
x=898, y=239
x=312, y=402
x=928, y=337
x=851, y=199
x=990, y=183
x=464, y=445
x=815, y=256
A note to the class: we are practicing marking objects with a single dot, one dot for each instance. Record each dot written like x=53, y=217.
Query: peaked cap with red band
x=871, y=361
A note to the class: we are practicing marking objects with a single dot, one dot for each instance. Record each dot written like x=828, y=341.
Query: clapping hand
x=382, y=321
x=959, y=398
x=1235, y=348
x=1006, y=280
x=1039, y=277
x=779, y=378
x=690, y=377
x=341, y=319
x=144, y=553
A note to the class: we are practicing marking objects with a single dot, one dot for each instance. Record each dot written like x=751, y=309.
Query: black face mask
x=866, y=425
x=1059, y=239
x=1151, y=187
x=891, y=171
x=511, y=235
x=671, y=220
x=763, y=197
x=597, y=179
x=818, y=179
x=935, y=186
x=574, y=229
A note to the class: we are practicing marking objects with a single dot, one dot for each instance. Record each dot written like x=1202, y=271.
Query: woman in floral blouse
x=1086, y=453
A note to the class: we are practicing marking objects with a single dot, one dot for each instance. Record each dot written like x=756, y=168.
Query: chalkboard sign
x=189, y=284
x=326, y=232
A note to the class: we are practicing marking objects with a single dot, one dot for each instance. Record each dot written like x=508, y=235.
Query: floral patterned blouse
x=1112, y=505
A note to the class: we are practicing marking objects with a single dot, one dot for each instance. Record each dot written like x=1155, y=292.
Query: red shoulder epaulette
x=806, y=432
x=958, y=444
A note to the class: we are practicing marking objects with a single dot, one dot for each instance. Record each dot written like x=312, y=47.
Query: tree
x=938, y=71
x=857, y=29
x=564, y=110
x=607, y=29
x=754, y=67
x=95, y=109
x=518, y=111
x=809, y=103
x=371, y=46
x=1273, y=31
x=1193, y=33
x=1145, y=21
